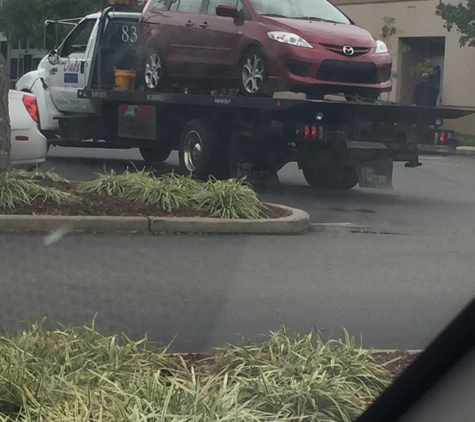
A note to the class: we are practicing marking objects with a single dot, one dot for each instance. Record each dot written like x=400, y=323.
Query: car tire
x=155, y=155
x=254, y=74
x=335, y=178
x=154, y=75
x=199, y=152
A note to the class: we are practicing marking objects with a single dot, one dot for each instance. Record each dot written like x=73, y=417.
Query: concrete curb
x=296, y=223
x=467, y=151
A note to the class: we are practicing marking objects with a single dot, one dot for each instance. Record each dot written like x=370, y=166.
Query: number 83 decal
x=129, y=34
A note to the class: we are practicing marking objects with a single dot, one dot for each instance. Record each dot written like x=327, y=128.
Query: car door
x=70, y=69
x=183, y=35
x=221, y=37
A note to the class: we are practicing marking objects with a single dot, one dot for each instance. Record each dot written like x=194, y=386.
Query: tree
x=462, y=17
x=24, y=19
x=4, y=116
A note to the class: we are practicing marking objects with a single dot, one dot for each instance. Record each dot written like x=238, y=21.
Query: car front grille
x=358, y=51
x=348, y=72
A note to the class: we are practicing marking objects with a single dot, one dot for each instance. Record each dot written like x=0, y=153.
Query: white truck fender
x=36, y=82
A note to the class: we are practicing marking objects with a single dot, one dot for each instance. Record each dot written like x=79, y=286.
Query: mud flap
x=376, y=174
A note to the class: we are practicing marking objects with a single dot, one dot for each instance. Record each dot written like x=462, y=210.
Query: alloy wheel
x=253, y=73
x=153, y=71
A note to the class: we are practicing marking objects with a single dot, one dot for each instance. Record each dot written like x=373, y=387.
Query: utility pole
x=5, y=132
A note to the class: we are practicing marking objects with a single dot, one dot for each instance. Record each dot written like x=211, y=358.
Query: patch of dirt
x=101, y=204
x=395, y=362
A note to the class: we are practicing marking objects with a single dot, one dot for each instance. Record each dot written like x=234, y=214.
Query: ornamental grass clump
x=78, y=374
x=18, y=188
x=231, y=198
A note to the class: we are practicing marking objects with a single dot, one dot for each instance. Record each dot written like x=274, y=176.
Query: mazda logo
x=348, y=50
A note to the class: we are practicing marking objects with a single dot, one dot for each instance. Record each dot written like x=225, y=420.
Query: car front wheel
x=253, y=80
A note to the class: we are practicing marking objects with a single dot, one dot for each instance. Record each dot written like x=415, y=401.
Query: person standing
x=425, y=94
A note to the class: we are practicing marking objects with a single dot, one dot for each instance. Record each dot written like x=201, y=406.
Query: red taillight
x=449, y=136
x=22, y=138
x=314, y=131
x=442, y=137
x=307, y=132
x=32, y=107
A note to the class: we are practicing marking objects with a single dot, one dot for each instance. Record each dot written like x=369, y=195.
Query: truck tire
x=335, y=178
x=155, y=155
x=199, y=151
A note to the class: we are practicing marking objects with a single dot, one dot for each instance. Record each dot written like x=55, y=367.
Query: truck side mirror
x=51, y=35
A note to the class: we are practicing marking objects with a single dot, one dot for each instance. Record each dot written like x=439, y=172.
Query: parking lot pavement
x=204, y=291
x=438, y=197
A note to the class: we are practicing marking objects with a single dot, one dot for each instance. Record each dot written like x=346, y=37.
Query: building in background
x=420, y=39
x=21, y=57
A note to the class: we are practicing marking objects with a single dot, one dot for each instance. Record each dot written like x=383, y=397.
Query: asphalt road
x=395, y=290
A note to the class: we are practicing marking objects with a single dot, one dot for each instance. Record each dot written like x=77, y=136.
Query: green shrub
x=117, y=184
x=229, y=199
x=169, y=192
x=19, y=188
x=77, y=374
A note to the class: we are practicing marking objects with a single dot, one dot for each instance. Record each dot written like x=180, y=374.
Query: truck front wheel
x=155, y=155
x=342, y=178
x=199, y=152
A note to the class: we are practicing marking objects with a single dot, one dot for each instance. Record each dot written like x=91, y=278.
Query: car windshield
x=300, y=9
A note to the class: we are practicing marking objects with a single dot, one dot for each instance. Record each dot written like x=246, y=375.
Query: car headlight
x=288, y=38
x=381, y=47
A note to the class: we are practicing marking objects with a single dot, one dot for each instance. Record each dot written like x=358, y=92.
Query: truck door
x=71, y=69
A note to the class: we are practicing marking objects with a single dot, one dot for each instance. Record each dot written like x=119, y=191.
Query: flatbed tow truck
x=337, y=144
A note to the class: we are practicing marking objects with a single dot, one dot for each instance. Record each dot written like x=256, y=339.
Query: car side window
x=160, y=4
x=77, y=40
x=189, y=6
x=214, y=3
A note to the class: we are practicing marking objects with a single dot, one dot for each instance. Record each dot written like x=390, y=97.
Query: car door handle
x=204, y=25
x=189, y=23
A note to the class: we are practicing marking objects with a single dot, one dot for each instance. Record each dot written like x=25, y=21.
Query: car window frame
x=153, y=7
x=77, y=29
x=200, y=12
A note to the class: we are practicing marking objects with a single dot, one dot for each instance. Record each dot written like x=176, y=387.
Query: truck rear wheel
x=155, y=155
x=199, y=151
x=342, y=178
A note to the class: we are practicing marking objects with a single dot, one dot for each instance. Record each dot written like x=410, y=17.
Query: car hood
x=323, y=32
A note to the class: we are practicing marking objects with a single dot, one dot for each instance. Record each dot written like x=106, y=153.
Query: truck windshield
x=300, y=9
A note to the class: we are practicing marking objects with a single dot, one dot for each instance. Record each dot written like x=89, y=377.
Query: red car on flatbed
x=261, y=46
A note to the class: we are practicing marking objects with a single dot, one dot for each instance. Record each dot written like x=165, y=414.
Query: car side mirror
x=227, y=11
x=51, y=35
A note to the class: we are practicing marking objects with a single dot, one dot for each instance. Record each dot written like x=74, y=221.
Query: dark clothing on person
x=425, y=94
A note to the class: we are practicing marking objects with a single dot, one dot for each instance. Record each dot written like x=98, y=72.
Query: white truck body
x=61, y=74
